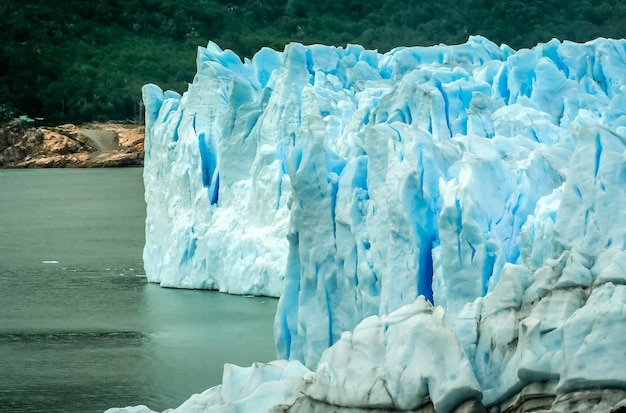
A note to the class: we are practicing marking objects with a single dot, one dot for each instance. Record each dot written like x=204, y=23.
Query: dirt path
x=103, y=140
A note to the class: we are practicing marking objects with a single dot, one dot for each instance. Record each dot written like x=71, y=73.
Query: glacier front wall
x=349, y=183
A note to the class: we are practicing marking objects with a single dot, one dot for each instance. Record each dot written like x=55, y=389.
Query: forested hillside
x=84, y=60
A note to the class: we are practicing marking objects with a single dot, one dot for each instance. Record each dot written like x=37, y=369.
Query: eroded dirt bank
x=23, y=145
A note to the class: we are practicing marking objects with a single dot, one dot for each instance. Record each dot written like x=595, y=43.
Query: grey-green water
x=80, y=328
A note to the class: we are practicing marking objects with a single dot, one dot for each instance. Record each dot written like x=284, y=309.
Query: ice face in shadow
x=350, y=183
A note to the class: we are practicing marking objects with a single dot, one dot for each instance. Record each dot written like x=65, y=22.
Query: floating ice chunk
x=131, y=409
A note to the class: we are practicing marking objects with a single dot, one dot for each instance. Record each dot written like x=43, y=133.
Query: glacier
x=443, y=225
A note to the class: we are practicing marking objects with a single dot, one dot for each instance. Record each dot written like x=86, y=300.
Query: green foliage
x=84, y=60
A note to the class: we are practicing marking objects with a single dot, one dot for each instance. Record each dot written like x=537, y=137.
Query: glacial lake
x=81, y=330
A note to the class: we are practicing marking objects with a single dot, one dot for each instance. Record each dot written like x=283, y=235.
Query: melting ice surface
x=488, y=181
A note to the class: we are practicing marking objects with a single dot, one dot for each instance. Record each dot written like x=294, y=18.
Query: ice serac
x=216, y=192
x=404, y=360
x=422, y=206
x=560, y=322
x=446, y=219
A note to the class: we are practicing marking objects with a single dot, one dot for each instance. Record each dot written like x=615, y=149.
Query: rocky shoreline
x=24, y=145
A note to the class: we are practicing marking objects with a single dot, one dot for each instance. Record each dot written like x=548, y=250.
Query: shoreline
x=90, y=145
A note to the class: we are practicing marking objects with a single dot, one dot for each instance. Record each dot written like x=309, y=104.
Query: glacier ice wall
x=350, y=182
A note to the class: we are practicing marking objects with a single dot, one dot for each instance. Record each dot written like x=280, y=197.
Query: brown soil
x=92, y=145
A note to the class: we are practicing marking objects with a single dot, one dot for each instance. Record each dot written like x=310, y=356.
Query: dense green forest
x=84, y=60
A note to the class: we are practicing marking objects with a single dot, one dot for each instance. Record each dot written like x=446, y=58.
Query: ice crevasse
x=443, y=225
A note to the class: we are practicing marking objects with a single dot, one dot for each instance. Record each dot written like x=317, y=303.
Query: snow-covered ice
x=488, y=181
